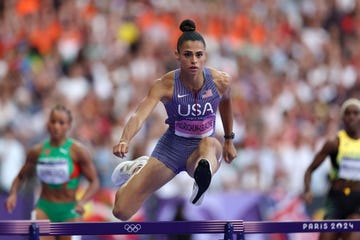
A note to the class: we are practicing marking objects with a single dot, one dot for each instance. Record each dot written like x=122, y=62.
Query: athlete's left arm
x=226, y=113
x=88, y=170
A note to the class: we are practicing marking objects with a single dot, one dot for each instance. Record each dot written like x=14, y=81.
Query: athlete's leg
x=329, y=236
x=56, y=212
x=209, y=149
x=202, y=164
x=41, y=215
x=76, y=219
x=64, y=238
x=352, y=235
x=132, y=194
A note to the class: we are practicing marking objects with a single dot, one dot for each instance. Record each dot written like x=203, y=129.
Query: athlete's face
x=58, y=124
x=192, y=57
x=351, y=118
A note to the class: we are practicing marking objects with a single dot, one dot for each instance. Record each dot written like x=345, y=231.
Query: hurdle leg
x=229, y=231
x=240, y=236
x=34, y=232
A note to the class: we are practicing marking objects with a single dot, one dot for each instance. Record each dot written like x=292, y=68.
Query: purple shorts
x=174, y=151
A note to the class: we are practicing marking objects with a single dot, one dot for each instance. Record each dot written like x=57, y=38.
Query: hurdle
x=231, y=228
x=35, y=229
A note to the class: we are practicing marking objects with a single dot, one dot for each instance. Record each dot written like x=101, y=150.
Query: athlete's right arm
x=156, y=93
x=27, y=171
x=329, y=147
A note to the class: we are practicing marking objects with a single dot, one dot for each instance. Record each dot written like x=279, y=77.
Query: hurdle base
x=34, y=232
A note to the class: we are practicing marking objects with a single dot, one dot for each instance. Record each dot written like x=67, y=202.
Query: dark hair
x=60, y=107
x=188, y=28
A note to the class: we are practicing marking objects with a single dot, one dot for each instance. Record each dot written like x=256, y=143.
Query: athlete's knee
x=125, y=209
x=354, y=216
x=126, y=203
x=122, y=213
x=121, y=209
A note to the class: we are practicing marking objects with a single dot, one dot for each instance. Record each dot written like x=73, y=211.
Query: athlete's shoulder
x=218, y=74
x=168, y=77
x=221, y=79
x=331, y=145
x=39, y=147
x=77, y=145
x=165, y=82
x=163, y=87
x=79, y=151
x=34, y=152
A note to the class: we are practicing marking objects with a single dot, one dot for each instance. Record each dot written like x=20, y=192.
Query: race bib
x=54, y=172
x=195, y=128
x=349, y=169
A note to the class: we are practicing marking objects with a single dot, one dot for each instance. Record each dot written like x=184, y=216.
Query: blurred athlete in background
x=59, y=163
x=343, y=200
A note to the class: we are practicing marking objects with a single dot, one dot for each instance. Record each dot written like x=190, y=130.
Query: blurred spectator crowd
x=293, y=62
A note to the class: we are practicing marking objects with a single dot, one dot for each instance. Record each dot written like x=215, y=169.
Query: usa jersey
x=193, y=114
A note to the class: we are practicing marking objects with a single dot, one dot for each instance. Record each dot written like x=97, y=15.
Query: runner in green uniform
x=58, y=162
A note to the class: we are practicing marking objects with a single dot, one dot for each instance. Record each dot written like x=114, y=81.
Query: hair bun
x=187, y=26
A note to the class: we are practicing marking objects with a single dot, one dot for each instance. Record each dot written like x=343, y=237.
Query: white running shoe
x=202, y=176
x=125, y=169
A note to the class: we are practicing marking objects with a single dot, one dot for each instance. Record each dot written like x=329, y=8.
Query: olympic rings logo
x=132, y=228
